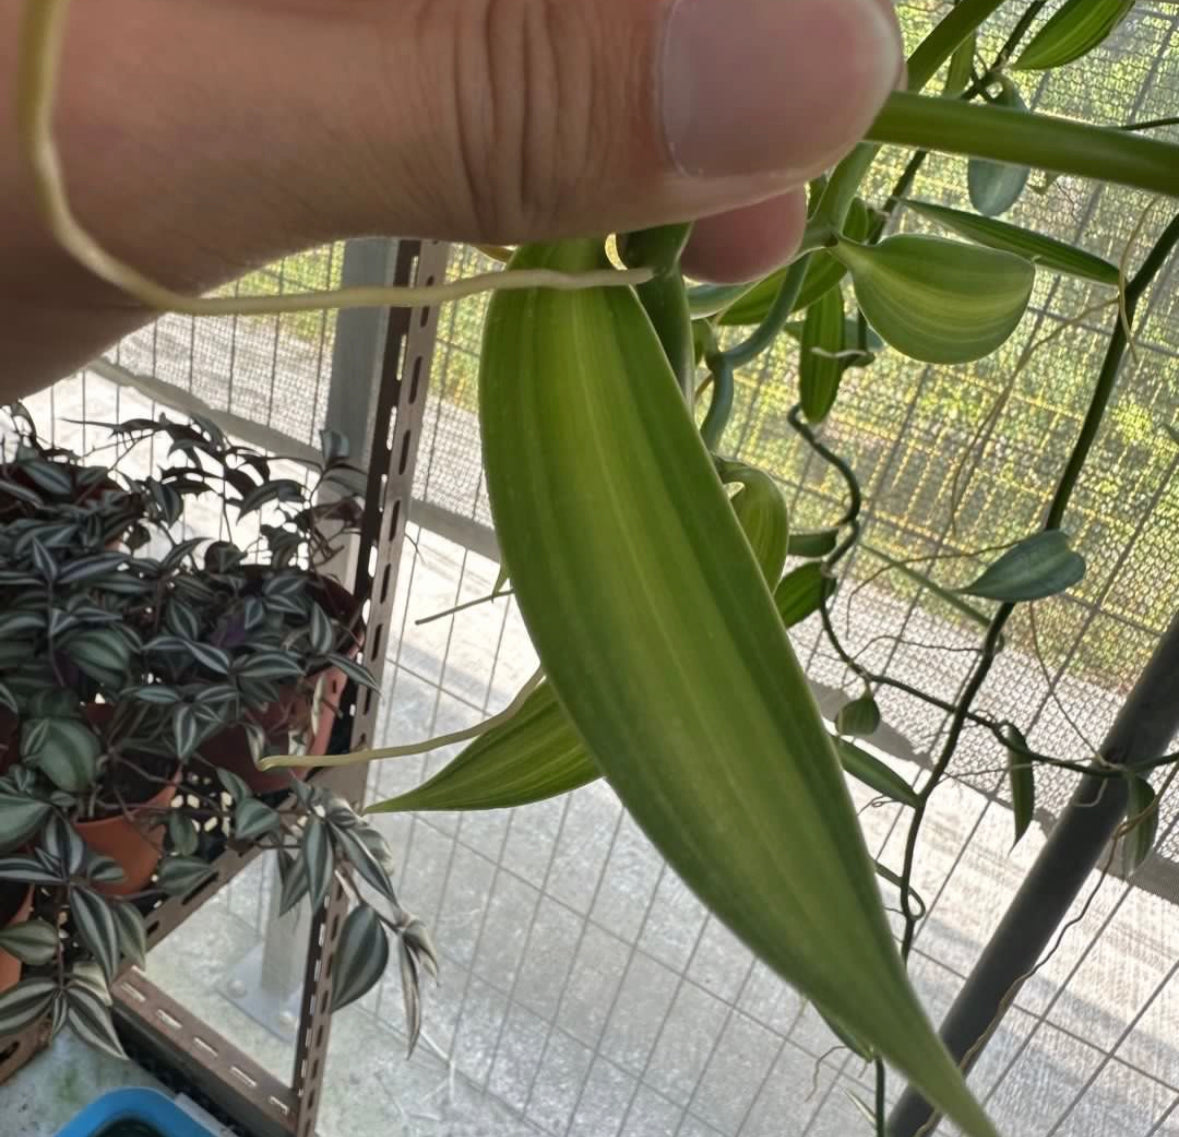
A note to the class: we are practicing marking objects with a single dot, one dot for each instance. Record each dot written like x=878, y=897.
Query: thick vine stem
x=665, y=299
x=42, y=34
x=712, y=429
x=1045, y=142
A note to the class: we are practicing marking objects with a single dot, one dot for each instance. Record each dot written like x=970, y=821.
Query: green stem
x=1150, y=124
x=855, y=496
x=957, y=723
x=881, y=1103
x=1020, y=138
x=767, y=331
x=721, y=407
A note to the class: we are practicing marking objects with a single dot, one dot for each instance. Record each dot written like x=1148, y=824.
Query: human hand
x=204, y=136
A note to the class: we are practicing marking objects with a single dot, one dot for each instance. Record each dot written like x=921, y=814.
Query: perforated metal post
x=392, y=459
x=266, y=981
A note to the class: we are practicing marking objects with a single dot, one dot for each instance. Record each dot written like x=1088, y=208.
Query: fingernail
x=752, y=87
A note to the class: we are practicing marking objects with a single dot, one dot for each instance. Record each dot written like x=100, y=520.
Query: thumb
x=512, y=120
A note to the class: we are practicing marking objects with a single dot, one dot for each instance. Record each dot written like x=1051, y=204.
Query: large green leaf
x=64, y=845
x=1046, y=252
x=996, y=186
x=20, y=818
x=91, y=1019
x=939, y=301
x=21, y=623
x=102, y=653
x=1037, y=567
x=252, y=818
x=660, y=637
x=182, y=833
x=1073, y=31
x=534, y=755
x=366, y=857
x=29, y=870
x=819, y=364
x=87, y=973
x=131, y=930
x=178, y=876
x=186, y=730
x=317, y=860
x=537, y=755
x=292, y=873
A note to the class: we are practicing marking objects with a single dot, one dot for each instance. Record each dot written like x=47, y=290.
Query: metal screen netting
x=272, y=371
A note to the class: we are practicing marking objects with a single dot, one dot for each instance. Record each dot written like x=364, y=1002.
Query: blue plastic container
x=133, y=1113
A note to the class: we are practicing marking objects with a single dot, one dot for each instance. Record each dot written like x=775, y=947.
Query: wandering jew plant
x=143, y=673
x=649, y=566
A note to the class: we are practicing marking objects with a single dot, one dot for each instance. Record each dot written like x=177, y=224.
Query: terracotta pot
x=15, y=907
x=135, y=841
x=231, y=751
